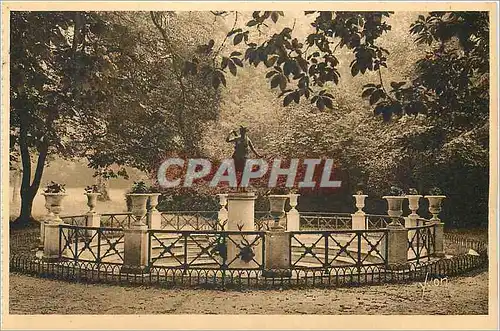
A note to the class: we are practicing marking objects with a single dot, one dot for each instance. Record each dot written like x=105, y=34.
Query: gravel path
x=462, y=295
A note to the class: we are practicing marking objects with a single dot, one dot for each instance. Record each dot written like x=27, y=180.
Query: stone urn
x=277, y=204
x=435, y=202
x=153, y=201
x=360, y=202
x=138, y=202
x=222, y=200
x=294, y=200
x=92, y=201
x=277, y=207
x=413, y=200
x=53, y=202
x=394, y=207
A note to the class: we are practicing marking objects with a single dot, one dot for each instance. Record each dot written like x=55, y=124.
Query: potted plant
x=413, y=199
x=54, y=194
x=138, y=195
x=395, y=200
x=360, y=198
x=435, y=198
x=92, y=192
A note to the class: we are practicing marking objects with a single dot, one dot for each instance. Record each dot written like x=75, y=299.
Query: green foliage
x=296, y=67
x=92, y=189
x=54, y=187
x=188, y=199
x=412, y=191
x=435, y=191
x=396, y=191
x=139, y=187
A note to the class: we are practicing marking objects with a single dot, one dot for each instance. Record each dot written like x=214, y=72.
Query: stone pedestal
x=277, y=254
x=439, y=240
x=397, y=246
x=293, y=220
x=135, y=255
x=293, y=216
x=154, y=219
x=241, y=217
x=240, y=211
x=410, y=222
x=51, y=242
x=358, y=221
x=92, y=219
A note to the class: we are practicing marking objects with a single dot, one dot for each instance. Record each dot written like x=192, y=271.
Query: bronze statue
x=241, y=145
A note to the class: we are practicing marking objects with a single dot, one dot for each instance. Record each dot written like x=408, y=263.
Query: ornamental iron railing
x=325, y=221
x=337, y=276
x=421, y=242
x=91, y=244
x=117, y=220
x=327, y=249
x=221, y=250
x=190, y=220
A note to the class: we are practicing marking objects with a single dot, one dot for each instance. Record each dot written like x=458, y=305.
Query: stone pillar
x=51, y=242
x=411, y=221
x=397, y=246
x=293, y=220
x=240, y=211
x=439, y=239
x=277, y=254
x=241, y=217
x=358, y=221
x=293, y=216
x=154, y=219
x=135, y=254
x=92, y=219
x=153, y=216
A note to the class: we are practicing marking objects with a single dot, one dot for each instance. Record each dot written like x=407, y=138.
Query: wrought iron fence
x=243, y=278
x=117, y=220
x=77, y=220
x=190, y=220
x=325, y=221
x=327, y=249
x=336, y=276
x=91, y=244
x=220, y=250
x=25, y=240
x=421, y=242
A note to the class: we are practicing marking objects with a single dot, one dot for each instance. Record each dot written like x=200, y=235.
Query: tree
x=47, y=103
x=93, y=84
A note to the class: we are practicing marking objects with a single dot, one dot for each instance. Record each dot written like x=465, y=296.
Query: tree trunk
x=25, y=217
x=16, y=186
x=28, y=188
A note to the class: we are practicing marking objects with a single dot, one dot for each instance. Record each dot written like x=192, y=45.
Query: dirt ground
x=460, y=296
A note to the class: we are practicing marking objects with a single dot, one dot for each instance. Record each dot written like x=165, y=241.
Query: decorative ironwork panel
x=120, y=220
x=91, y=244
x=220, y=250
x=79, y=220
x=328, y=249
x=421, y=243
x=190, y=220
x=325, y=221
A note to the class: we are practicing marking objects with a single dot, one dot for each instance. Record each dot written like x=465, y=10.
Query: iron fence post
x=327, y=237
